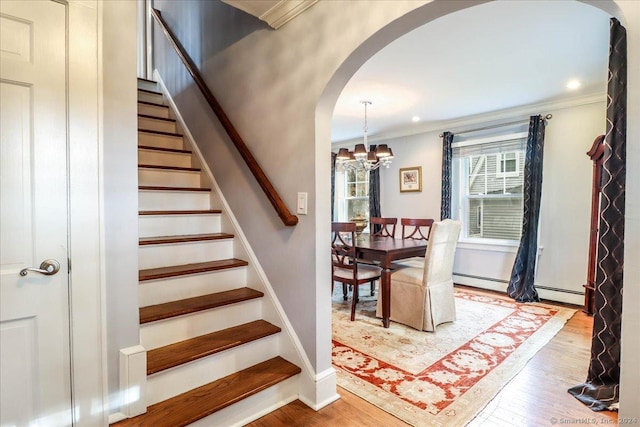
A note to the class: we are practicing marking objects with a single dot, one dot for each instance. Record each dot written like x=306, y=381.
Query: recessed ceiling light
x=573, y=84
x=415, y=119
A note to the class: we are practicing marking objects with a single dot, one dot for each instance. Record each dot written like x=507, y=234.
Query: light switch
x=302, y=204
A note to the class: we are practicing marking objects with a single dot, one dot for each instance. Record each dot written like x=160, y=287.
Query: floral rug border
x=452, y=394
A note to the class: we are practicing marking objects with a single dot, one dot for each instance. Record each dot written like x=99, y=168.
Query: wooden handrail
x=283, y=212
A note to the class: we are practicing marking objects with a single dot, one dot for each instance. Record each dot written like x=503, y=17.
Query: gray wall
x=279, y=88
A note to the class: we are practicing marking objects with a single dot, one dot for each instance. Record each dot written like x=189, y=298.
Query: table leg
x=385, y=284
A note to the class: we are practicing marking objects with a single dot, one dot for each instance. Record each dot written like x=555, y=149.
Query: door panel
x=34, y=309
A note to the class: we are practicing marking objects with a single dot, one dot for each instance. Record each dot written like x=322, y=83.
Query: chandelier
x=360, y=158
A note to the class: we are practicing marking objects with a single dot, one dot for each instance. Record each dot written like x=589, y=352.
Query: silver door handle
x=49, y=267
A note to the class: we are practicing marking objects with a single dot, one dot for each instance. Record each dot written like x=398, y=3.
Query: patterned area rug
x=443, y=378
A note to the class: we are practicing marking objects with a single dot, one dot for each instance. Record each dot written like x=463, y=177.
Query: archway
x=380, y=39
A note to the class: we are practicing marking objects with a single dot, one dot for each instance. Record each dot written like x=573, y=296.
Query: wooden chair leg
x=353, y=302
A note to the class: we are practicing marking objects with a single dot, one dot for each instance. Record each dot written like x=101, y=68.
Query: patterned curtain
x=447, y=155
x=521, y=286
x=601, y=389
x=333, y=184
x=374, y=194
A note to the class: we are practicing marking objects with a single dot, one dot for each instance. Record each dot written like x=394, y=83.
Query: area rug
x=443, y=378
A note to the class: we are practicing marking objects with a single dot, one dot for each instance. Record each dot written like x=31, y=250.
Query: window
x=508, y=164
x=356, y=195
x=487, y=187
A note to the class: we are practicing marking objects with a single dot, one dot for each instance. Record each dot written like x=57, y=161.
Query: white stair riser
x=174, y=381
x=159, y=291
x=153, y=256
x=167, y=331
x=164, y=158
x=150, y=200
x=160, y=141
x=145, y=84
x=175, y=225
x=153, y=110
x=150, y=97
x=168, y=178
x=253, y=407
x=159, y=125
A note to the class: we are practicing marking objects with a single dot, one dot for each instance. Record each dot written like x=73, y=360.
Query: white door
x=34, y=309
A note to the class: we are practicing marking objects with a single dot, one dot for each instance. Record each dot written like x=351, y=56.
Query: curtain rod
x=547, y=117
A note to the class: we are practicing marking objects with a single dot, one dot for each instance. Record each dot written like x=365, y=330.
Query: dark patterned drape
x=521, y=286
x=601, y=389
x=447, y=156
x=374, y=194
x=333, y=183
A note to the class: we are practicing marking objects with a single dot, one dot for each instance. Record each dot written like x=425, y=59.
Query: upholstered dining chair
x=422, y=297
x=387, y=226
x=344, y=268
x=415, y=229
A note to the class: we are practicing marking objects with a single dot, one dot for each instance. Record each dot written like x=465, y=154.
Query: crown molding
x=276, y=13
x=464, y=123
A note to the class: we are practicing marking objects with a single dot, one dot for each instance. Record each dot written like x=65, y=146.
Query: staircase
x=211, y=357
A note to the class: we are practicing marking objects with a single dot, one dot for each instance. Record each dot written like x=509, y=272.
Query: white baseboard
x=118, y=416
x=319, y=391
x=546, y=293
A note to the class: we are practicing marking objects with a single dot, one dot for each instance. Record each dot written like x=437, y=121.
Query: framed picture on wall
x=411, y=179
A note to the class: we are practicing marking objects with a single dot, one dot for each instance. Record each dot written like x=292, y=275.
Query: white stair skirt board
x=253, y=407
x=153, y=110
x=159, y=200
x=168, y=331
x=150, y=97
x=156, y=124
x=152, y=292
x=176, y=225
x=154, y=256
x=160, y=141
x=171, y=382
x=163, y=158
x=168, y=178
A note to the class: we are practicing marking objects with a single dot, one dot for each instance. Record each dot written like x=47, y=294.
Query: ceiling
x=490, y=57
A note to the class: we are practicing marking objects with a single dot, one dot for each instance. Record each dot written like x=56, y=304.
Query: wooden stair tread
x=169, y=150
x=154, y=104
x=181, y=270
x=147, y=80
x=159, y=132
x=167, y=310
x=149, y=91
x=159, y=240
x=161, y=188
x=171, y=168
x=196, y=348
x=186, y=408
x=164, y=119
x=191, y=212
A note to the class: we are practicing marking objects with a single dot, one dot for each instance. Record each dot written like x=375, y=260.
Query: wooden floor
x=537, y=396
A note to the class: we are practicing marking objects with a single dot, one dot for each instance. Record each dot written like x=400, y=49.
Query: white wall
x=565, y=206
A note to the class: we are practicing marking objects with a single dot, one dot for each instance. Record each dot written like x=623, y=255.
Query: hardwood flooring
x=536, y=396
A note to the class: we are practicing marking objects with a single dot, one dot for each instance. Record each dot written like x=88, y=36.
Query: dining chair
x=387, y=226
x=344, y=268
x=415, y=229
x=422, y=297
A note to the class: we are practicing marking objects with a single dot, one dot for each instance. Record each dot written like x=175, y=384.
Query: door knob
x=49, y=267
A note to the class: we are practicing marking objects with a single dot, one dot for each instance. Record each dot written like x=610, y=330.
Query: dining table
x=385, y=250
